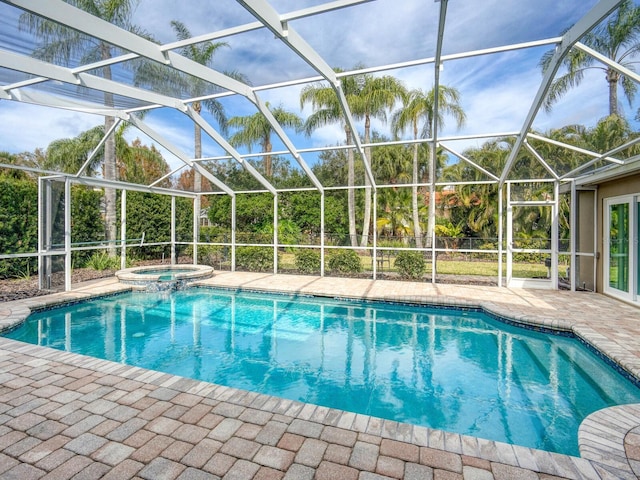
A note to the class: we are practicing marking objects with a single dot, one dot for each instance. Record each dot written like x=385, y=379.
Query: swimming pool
x=454, y=370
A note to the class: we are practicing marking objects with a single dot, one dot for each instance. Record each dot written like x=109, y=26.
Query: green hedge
x=254, y=259
x=18, y=225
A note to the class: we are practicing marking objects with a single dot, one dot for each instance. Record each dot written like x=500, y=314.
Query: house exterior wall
x=629, y=185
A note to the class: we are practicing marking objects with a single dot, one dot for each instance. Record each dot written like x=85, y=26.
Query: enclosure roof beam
x=264, y=109
x=470, y=162
x=267, y=15
x=295, y=15
x=37, y=67
x=168, y=175
x=590, y=153
x=539, y=158
x=95, y=151
x=53, y=101
x=229, y=149
x=78, y=19
x=584, y=25
x=306, y=12
x=436, y=70
x=608, y=62
x=605, y=156
x=180, y=154
x=98, y=182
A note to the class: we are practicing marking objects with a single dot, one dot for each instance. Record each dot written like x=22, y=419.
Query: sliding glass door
x=622, y=254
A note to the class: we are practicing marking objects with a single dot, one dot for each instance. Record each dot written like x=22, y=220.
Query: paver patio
x=64, y=415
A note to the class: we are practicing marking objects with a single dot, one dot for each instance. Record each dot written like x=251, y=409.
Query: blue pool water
x=454, y=370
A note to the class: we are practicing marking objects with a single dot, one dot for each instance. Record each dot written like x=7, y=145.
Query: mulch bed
x=17, y=289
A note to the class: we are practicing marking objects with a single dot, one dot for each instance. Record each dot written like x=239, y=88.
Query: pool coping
x=602, y=441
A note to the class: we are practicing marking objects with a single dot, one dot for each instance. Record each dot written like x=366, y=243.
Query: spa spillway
x=164, y=277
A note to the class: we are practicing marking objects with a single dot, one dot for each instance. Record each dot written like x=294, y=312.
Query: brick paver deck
x=64, y=415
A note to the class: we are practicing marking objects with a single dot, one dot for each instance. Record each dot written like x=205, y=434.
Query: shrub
x=255, y=259
x=307, y=261
x=410, y=265
x=344, y=262
x=102, y=261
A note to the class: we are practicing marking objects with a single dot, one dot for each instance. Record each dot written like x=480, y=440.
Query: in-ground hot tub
x=164, y=277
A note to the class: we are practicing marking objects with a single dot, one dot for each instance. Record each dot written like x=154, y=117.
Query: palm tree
x=327, y=110
x=367, y=97
x=419, y=106
x=257, y=129
x=61, y=45
x=619, y=40
x=376, y=96
x=194, y=87
x=477, y=204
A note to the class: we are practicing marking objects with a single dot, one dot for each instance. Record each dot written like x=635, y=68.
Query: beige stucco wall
x=614, y=188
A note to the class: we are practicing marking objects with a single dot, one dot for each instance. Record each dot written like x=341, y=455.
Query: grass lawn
x=487, y=268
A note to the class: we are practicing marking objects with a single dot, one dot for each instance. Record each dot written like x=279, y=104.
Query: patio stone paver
x=64, y=415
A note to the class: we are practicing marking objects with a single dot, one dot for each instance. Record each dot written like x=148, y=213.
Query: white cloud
x=27, y=127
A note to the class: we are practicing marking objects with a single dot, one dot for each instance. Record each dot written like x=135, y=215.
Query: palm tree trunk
x=351, y=195
x=417, y=232
x=268, y=166
x=111, y=230
x=367, y=191
x=612, y=78
x=432, y=193
x=110, y=193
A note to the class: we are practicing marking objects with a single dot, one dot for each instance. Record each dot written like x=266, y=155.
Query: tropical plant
x=619, y=40
x=102, y=261
x=394, y=219
x=62, y=45
x=419, y=107
x=257, y=129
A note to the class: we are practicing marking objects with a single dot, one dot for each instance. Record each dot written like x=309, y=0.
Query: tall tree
x=138, y=163
x=194, y=87
x=418, y=107
x=257, y=129
x=376, y=96
x=327, y=111
x=64, y=45
x=617, y=39
x=367, y=97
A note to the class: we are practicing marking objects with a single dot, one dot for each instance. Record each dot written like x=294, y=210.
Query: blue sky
x=496, y=90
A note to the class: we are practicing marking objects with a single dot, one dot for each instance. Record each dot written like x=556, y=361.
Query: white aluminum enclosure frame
x=280, y=25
